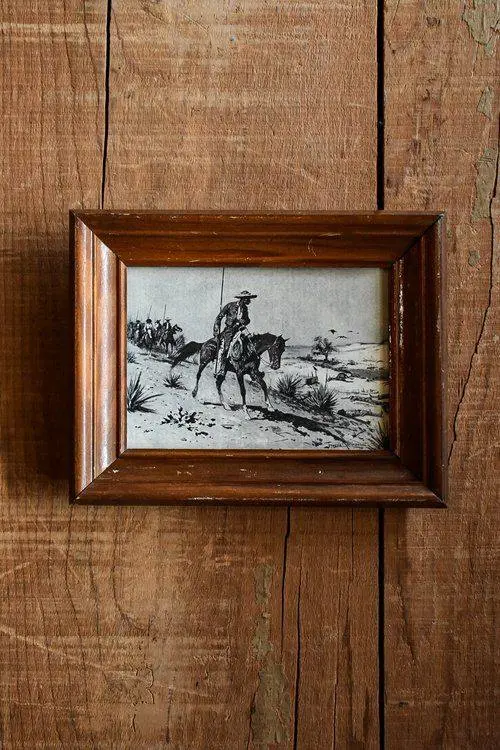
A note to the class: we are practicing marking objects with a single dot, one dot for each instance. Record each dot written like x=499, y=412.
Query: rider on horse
x=236, y=320
x=148, y=334
x=158, y=328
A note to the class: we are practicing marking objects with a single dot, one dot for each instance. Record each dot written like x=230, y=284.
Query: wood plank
x=441, y=147
x=124, y=627
x=256, y=107
x=55, y=668
x=83, y=454
x=105, y=355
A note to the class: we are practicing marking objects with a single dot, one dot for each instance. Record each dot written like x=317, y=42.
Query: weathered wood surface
x=139, y=628
x=243, y=108
x=182, y=628
x=441, y=569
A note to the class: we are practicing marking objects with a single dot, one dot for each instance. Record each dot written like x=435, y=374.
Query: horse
x=167, y=338
x=245, y=363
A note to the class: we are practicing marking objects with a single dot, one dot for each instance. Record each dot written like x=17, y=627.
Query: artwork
x=257, y=358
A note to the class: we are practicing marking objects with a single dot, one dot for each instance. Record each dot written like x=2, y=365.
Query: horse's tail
x=187, y=350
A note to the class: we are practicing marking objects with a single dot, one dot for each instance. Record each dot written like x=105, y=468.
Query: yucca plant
x=381, y=437
x=173, y=380
x=383, y=434
x=131, y=358
x=289, y=385
x=321, y=398
x=137, y=397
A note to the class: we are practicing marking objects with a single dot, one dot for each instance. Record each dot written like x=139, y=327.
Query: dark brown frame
x=410, y=245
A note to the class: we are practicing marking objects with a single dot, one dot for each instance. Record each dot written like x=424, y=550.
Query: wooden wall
x=231, y=628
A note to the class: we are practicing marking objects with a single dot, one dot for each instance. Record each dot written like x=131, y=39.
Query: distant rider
x=148, y=333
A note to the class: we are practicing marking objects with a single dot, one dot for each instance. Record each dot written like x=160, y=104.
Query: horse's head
x=275, y=351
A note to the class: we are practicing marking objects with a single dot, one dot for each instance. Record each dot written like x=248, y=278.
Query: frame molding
x=410, y=245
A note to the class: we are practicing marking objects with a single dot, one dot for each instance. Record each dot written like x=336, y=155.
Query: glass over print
x=257, y=358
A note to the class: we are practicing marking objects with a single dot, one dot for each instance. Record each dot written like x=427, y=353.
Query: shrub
x=382, y=434
x=172, y=380
x=288, y=385
x=137, y=397
x=131, y=358
x=379, y=439
x=180, y=417
x=323, y=347
x=321, y=398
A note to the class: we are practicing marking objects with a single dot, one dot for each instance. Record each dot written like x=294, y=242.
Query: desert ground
x=357, y=418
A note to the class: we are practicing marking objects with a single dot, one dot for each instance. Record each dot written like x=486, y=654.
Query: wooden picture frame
x=409, y=245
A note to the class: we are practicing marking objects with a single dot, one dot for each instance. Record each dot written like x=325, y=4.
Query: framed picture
x=270, y=358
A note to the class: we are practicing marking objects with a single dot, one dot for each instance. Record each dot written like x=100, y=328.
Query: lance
x=218, y=356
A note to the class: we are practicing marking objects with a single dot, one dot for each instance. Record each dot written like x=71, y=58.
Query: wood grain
x=418, y=359
x=105, y=356
x=297, y=240
x=256, y=106
x=53, y=616
x=82, y=239
x=441, y=571
x=253, y=107
x=137, y=628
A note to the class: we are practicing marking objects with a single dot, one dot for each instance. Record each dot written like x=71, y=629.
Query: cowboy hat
x=245, y=295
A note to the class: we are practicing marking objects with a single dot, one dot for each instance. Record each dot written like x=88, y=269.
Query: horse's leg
x=241, y=383
x=202, y=365
x=218, y=382
x=259, y=378
x=219, y=379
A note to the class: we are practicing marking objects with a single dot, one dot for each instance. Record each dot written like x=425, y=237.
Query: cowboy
x=157, y=330
x=162, y=330
x=138, y=331
x=148, y=333
x=236, y=320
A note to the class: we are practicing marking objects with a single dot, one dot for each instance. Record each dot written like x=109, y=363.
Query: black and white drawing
x=257, y=358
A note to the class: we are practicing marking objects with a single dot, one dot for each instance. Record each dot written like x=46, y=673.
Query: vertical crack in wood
x=488, y=302
x=107, y=64
x=380, y=207
x=337, y=630
x=381, y=626
x=380, y=107
x=283, y=576
x=298, y=664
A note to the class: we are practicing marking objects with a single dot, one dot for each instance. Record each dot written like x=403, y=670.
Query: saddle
x=240, y=345
x=236, y=346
